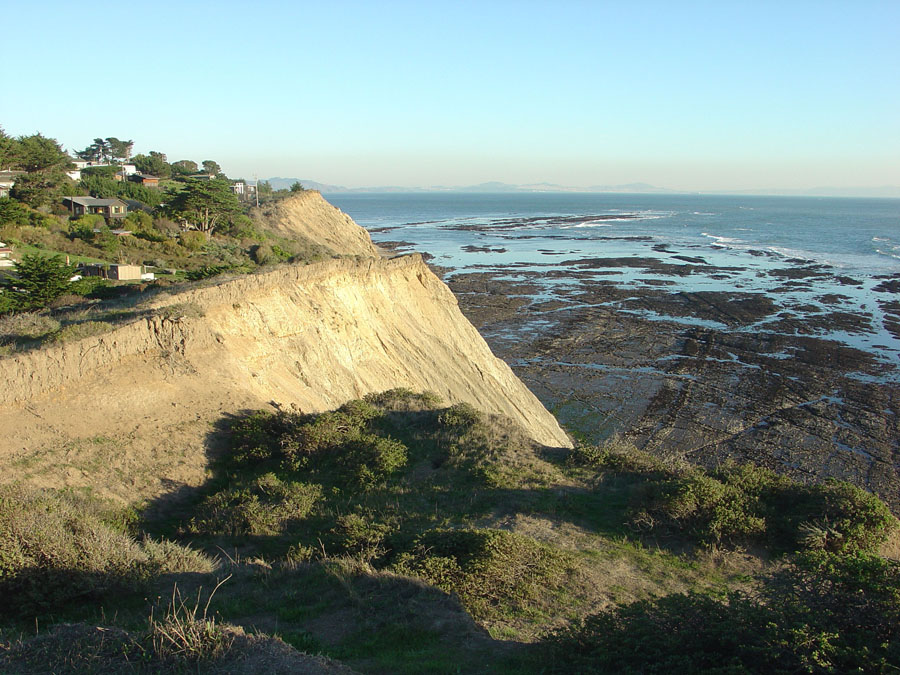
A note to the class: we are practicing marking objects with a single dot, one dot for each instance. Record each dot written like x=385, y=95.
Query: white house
x=6, y=256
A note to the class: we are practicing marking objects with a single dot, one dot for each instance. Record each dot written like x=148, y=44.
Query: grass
x=29, y=249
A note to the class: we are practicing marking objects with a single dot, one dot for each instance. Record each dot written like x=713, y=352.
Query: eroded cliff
x=132, y=412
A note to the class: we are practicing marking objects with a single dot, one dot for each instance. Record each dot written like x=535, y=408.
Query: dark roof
x=94, y=201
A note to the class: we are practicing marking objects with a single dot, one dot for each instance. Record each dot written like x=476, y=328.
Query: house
x=124, y=171
x=144, y=179
x=244, y=191
x=108, y=208
x=6, y=256
x=7, y=178
x=116, y=272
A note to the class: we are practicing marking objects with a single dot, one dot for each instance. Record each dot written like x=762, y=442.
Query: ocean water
x=847, y=248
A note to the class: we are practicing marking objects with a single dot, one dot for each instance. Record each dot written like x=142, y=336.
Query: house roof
x=94, y=201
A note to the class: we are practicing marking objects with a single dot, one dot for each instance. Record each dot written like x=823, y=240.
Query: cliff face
x=308, y=215
x=132, y=412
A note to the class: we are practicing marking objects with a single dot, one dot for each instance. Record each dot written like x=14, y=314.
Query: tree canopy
x=39, y=153
x=211, y=167
x=38, y=281
x=184, y=167
x=45, y=164
x=8, y=150
x=154, y=164
x=204, y=203
x=107, y=149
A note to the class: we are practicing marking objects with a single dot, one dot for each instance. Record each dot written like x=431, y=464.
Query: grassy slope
x=400, y=536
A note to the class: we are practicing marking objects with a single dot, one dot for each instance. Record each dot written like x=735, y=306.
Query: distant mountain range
x=891, y=191
x=280, y=183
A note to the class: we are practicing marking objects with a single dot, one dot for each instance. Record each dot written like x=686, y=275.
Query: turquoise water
x=848, y=248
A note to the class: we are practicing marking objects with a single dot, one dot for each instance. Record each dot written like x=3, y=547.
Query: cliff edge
x=132, y=412
x=307, y=215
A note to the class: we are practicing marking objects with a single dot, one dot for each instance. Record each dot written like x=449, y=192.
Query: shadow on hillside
x=65, y=594
x=604, y=507
x=161, y=516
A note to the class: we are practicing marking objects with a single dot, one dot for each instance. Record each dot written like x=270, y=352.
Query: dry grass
x=187, y=633
x=26, y=326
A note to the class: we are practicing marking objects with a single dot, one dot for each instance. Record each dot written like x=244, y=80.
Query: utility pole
x=256, y=189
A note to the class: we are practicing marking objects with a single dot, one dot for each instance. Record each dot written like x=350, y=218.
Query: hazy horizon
x=703, y=97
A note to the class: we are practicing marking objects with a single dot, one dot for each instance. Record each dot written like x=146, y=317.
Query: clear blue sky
x=689, y=95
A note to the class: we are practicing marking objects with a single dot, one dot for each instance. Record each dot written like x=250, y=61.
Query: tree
x=119, y=150
x=98, y=151
x=38, y=281
x=39, y=153
x=204, y=203
x=297, y=187
x=40, y=188
x=8, y=150
x=45, y=164
x=211, y=167
x=184, y=167
x=154, y=164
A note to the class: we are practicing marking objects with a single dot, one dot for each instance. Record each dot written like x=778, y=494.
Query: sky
x=684, y=95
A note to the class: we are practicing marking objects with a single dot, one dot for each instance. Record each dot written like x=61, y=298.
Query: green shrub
x=835, y=516
x=192, y=240
x=711, y=510
x=743, y=504
x=262, y=507
x=371, y=459
x=461, y=415
x=616, y=455
x=824, y=614
x=403, y=399
x=493, y=571
x=362, y=536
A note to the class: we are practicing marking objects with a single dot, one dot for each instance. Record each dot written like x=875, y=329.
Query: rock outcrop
x=132, y=412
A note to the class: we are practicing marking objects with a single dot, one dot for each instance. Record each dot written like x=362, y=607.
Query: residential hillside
x=129, y=412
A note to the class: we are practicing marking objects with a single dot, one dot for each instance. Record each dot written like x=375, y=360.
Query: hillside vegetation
x=400, y=534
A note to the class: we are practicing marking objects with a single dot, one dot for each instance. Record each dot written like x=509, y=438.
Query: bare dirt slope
x=309, y=216
x=133, y=412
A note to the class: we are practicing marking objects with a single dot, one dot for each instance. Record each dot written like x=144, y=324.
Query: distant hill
x=280, y=183
x=496, y=187
x=884, y=191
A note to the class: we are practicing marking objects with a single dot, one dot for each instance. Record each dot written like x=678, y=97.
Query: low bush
x=262, y=507
x=362, y=536
x=493, y=571
x=404, y=400
x=744, y=504
x=825, y=613
x=616, y=455
x=345, y=440
x=741, y=504
x=460, y=415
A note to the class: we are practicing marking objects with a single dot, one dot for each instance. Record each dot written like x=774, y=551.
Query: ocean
x=814, y=255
